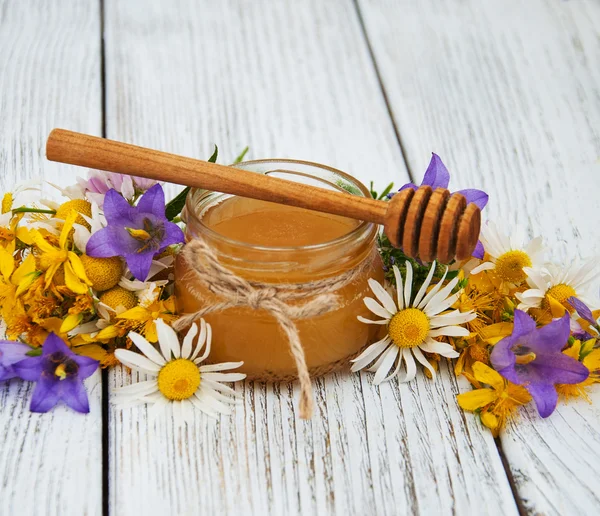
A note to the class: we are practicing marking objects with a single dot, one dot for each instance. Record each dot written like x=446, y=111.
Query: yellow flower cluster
x=493, y=288
x=48, y=284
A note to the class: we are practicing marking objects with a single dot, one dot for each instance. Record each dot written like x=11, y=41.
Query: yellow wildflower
x=141, y=319
x=475, y=350
x=51, y=257
x=496, y=404
x=591, y=360
x=14, y=280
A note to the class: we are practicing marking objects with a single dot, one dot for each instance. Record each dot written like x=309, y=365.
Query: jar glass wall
x=272, y=243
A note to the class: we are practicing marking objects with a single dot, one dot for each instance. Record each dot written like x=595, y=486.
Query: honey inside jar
x=272, y=243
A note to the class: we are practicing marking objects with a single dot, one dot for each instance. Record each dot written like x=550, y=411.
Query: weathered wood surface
x=507, y=93
x=308, y=91
x=49, y=76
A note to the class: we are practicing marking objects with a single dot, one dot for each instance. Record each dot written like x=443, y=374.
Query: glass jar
x=247, y=236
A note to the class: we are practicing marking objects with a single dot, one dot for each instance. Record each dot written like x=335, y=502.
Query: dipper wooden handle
x=424, y=223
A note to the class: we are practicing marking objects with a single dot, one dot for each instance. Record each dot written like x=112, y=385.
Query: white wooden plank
x=508, y=94
x=50, y=76
x=291, y=80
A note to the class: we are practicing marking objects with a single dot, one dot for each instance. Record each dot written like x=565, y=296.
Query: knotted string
x=205, y=268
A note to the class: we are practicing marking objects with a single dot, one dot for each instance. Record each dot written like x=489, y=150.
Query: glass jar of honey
x=278, y=244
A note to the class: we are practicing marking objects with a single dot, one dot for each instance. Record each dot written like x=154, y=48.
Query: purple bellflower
x=533, y=357
x=437, y=176
x=59, y=374
x=137, y=233
x=11, y=352
x=584, y=312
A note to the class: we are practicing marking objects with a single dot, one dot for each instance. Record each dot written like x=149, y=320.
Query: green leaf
x=175, y=205
x=387, y=190
x=213, y=158
x=241, y=156
x=36, y=352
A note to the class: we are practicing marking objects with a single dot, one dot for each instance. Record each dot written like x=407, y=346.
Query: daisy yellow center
x=118, y=296
x=561, y=293
x=409, y=328
x=80, y=206
x=104, y=273
x=179, y=379
x=509, y=266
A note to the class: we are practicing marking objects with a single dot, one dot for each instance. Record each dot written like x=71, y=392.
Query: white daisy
x=508, y=255
x=180, y=383
x=413, y=324
x=558, y=283
x=21, y=195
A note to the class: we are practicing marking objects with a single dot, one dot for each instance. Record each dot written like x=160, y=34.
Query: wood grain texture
x=50, y=75
x=508, y=94
x=311, y=93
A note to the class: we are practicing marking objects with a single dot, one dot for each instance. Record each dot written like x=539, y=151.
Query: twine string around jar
x=236, y=291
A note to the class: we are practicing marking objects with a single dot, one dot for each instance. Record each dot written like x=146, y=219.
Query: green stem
x=33, y=210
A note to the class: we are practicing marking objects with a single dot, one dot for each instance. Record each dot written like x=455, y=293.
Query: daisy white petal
x=225, y=377
x=384, y=298
x=369, y=321
x=411, y=367
x=376, y=308
x=450, y=331
x=425, y=285
x=147, y=349
x=188, y=340
x=399, y=289
x=485, y=266
x=441, y=348
x=386, y=364
x=418, y=354
x=136, y=390
x=136, y=361
x=451, y=318
x=221, y=388
x=433, y=291
x=408, y=283
x=201, y=341
x=167, y=334
x=220, y=367
x=370, y=354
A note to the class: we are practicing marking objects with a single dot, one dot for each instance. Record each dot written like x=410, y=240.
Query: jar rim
x=361, y=228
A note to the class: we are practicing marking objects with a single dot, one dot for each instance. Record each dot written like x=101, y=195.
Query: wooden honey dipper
x=427, y=224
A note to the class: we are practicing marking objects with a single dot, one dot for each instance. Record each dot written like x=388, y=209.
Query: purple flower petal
x=87, y=366
x=582, y=310
x=479, y=251
x=173, y=235
x=558, y=367
x=116, y=207
x=29, y=369
x=545, y=397
x=53, y=344
x=478, y=197
x=153, y=201
x=523, y=324
x=103, y=243
x=502, y=357
x=73, y=393
x=408, y=185
x=436, y=175
x=139, y=265
x=45, y=396
x=12, y=352
x=552, y=337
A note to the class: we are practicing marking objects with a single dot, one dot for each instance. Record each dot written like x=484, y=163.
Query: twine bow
x=204, y=267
